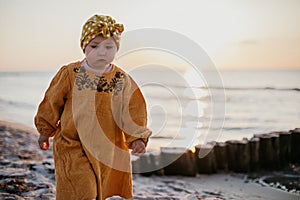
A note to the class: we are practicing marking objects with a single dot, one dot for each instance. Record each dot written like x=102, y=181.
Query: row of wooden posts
x=270, y=151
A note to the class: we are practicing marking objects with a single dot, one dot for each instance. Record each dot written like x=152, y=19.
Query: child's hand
x=44, y=142
x=138, y=148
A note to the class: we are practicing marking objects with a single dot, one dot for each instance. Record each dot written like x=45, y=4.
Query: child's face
x=100, y=52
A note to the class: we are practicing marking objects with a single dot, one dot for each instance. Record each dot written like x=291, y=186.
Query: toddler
x=96, y=113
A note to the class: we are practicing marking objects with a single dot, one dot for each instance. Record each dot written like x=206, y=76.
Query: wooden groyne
x=270, y=151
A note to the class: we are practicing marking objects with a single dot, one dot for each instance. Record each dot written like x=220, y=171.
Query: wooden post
x=146, y=165
x=157, y=164
x=295, y=145
x=285, y=148
x=220, y=151
x=243, y=155
x=205, y=159
x=238, y=155
x=269, y=151
x=265, y=150
x=136, y=166
x=254, y=154
x=178, y=161
x=231, y=151
x=276, y=150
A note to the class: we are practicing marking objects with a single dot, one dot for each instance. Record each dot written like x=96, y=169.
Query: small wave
x=163, y=137
x=253, y=88
x=5, y=102
x=288, y=89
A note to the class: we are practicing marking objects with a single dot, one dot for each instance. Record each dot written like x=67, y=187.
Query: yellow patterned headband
x=100, y=25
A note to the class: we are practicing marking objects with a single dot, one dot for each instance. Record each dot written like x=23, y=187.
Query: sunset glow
x=38, y=35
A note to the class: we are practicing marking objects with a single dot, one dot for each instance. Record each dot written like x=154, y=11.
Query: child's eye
x=93, y=46
x=108, y=47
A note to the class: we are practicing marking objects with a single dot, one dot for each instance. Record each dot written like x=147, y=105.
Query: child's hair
x=100, y=25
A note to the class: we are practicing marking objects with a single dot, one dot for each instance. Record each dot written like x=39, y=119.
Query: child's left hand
x=138, y=148
x=44, y=142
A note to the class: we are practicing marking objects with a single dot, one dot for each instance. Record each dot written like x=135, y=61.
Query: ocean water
x=180, y=112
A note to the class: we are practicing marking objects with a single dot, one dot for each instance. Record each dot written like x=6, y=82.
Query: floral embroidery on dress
x=119, y=78
x=115, y=85
x=83, y=80
x=99, y=83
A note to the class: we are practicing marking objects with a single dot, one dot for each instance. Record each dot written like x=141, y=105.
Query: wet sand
x=28, y=173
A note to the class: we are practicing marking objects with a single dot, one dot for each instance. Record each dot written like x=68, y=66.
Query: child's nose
x=101, y=51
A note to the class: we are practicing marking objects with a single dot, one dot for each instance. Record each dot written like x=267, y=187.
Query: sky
x=249, y=34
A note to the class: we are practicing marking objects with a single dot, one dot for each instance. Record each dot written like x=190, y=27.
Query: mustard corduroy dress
x=95, y=118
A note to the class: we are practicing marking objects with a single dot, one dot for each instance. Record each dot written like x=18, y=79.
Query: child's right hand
x=44, y=142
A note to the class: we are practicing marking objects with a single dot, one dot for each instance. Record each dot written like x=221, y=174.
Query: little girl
x=96, y=113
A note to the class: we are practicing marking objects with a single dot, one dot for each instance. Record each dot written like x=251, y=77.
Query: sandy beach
x=28, y=173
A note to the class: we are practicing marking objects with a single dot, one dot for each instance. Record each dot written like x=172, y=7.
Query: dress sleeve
x=51, y=107
x=134, y=114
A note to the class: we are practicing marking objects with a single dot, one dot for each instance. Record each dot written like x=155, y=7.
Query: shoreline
x=27, y=171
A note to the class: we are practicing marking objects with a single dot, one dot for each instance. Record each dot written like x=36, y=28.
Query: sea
x=184, y=113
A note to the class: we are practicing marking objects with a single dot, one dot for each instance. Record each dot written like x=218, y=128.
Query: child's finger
x=138, y=151
x=44, y=142
x=138, y=154
x=138, y=148
x=44, y=145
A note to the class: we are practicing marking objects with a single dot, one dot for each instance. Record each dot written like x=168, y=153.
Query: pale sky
x=236, y=34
